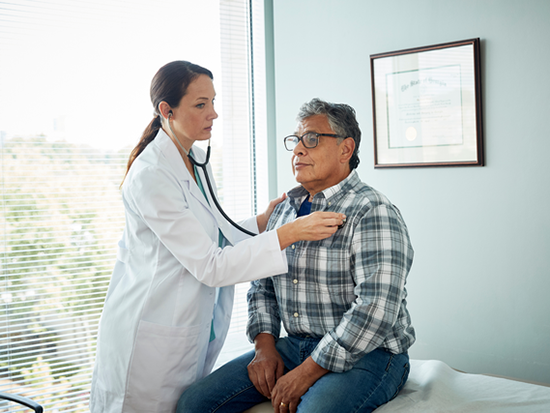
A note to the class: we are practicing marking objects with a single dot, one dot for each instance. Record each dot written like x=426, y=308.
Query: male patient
x=342, y=301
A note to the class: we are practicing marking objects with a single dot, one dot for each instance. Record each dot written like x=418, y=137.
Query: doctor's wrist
x=287, y=235
x=261, y=221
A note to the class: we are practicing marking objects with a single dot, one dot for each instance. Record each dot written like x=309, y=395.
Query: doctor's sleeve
x=155, y=196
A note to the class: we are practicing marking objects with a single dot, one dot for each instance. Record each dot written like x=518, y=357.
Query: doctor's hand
x=262, y=219
x=313, y=227
x=267, y=366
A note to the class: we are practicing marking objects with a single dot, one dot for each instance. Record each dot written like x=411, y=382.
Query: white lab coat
x=154, y=332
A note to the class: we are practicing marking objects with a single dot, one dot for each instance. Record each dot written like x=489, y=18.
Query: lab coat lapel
x=222, y=222
x=172, y=155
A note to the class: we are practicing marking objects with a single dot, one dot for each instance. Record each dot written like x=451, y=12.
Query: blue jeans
x=373, y=381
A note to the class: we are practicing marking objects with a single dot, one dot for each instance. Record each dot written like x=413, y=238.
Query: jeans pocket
x=404, y=377
x=388, y=366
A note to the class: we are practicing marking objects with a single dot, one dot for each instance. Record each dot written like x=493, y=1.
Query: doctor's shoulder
x=150, y=183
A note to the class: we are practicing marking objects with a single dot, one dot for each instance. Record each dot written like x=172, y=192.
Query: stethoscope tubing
x=210, y=189
x=203, y=166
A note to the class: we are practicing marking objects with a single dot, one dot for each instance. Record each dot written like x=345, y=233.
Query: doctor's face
x=192, y=120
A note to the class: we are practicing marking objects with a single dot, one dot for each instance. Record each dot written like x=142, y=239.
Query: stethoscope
x=203, y=167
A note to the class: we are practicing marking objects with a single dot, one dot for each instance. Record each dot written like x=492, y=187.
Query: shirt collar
x=332, y=194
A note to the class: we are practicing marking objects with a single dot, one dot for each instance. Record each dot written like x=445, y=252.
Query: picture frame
x=426, y=104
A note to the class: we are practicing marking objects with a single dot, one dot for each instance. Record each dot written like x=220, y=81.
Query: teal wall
x=480, y=285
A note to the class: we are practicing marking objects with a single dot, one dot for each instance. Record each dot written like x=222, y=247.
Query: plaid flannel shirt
x=349, y=289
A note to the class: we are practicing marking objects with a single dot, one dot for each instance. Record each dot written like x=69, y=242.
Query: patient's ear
x=347, y=146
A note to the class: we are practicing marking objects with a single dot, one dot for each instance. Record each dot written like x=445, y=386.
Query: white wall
x=480, y=284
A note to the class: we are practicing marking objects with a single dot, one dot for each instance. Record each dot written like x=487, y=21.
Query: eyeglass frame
x=300, y=139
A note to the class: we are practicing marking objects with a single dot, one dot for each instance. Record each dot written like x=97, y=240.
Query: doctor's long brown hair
x=169, y=85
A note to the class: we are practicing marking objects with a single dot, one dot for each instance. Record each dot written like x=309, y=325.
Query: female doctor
x=165, y=318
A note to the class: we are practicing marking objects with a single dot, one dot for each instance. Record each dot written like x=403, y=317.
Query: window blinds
x=61, y=216
x=243, y=87
x=74, y=79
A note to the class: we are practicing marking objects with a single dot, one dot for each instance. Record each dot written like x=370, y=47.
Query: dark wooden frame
x=479, y=153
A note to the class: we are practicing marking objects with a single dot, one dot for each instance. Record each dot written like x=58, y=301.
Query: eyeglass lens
x=309, y=140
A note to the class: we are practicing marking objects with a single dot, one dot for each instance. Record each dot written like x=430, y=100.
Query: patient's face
x=317, y=168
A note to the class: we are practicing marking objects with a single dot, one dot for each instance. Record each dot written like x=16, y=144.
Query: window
x=74, y=87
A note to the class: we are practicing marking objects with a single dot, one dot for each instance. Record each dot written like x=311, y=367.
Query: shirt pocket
x=164, y=360
x=334, y=274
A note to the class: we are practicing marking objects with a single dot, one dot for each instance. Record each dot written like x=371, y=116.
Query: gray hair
x=341, y=118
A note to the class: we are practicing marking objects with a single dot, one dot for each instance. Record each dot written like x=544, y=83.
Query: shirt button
x=293, y=246
x=296, y=314
x=295, y=281
x=330, y=203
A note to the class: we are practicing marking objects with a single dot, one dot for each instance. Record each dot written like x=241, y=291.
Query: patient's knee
x=188, y=403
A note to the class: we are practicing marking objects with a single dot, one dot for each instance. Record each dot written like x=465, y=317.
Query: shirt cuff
x=262, y=323
x=332, y=356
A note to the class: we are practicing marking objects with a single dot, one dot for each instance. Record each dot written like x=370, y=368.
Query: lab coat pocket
x=122, y=253
x=164, y=360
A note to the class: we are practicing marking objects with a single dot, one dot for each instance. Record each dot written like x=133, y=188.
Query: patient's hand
x=293, y=385
x=267, y=366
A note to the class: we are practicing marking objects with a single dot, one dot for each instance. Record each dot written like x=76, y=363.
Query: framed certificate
x=426, y=106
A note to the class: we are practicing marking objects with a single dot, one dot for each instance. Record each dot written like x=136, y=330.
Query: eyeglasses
x=309, y=140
